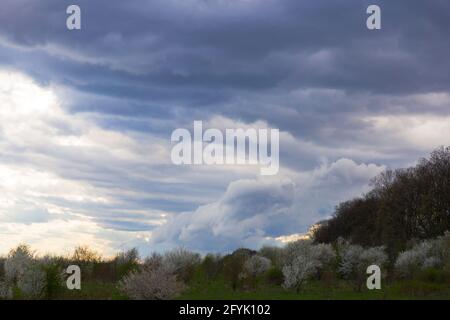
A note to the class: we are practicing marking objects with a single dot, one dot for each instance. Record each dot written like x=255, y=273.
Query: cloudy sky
x=86, y=116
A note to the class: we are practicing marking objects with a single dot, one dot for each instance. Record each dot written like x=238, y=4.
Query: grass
x=315, y=290
x=219, y=289
x=93, y=291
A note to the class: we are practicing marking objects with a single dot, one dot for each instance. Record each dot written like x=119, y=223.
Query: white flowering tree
x=255, y=266
x=17, y=262
x=152, y=282
x=298, y=272
x=355, y=260
x=32, y=283
x=434, y=253
x=181, y=262
x=325, y=254
x=35, y=277
x=302, y=260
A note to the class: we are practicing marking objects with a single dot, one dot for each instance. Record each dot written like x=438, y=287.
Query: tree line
x=404, y=205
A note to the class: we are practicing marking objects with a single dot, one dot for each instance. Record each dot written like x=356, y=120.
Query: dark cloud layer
x=237, y=45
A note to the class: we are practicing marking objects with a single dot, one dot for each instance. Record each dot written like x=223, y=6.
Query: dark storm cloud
x=158, y=49
x=242, y=59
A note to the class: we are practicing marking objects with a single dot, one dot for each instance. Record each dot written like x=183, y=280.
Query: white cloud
x=413, y=131
x=266, y=210
x=50, y=193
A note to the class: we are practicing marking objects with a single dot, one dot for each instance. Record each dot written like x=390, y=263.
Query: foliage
x=35, y=278
x=274, y=276
x=211, y=265
x=17, y=263
x=32, y=282
x=355, y=259
x=182, y=262
x=83, y=254
x=255, y=266
x=273, y=253
x=54, y=276
x=126, y=262
x=5, y=290
x=300, y=264
x=301, y=261
x=326, y=256
x=404, y=204
x=152, y=282
x=233, y=265
x=433, y=253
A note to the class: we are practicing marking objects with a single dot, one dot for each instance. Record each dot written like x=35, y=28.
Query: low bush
x=274, y=276
x=428, y=254
x=151, y=283
x=126, y=262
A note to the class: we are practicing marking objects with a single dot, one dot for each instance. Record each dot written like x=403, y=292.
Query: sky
x=86, y=115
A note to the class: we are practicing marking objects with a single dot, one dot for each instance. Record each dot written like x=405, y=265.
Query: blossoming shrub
x=182, y=262
x=303, y=260
x=428, y=254
x=153, y=282
x=326, y=256
x=32, y=282
x=355, y=259
x=254, y=267
x=17, y=263
x=35, y=278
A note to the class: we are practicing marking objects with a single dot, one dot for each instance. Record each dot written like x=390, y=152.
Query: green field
x=314, y=290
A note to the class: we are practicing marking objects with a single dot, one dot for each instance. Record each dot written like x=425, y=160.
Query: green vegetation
x=316, y=290
x=403, y=206
x=245, y=274
x=93, y=291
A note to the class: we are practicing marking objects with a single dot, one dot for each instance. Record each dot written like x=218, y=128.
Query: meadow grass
x=315, y=290
x=218, y=289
